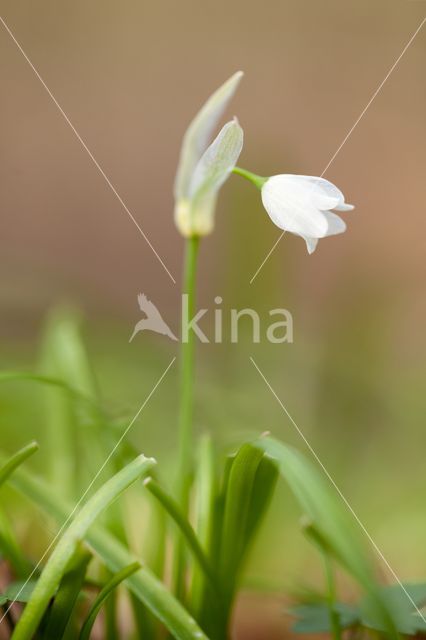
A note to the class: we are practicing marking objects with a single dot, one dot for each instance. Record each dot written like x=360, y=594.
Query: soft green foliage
x=105, y=592
x=333, y=526
x=143, y=584
x=67, y=594
x=55, y=566
x=314, y=617
x=230, y=503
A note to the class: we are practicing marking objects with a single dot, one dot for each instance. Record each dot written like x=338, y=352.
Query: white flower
x=303, y=205
x=203, y=169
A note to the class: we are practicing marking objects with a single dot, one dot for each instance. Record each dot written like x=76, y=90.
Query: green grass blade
x=15, y=460
x=54, y=568
x=263, y=489
x=67, y=594
x=236, y=515
x=143, y=584
x=187, y=531
x=11, y=550
x=8, y=545
x=237, y=509
x=50, y=381
x=64, y=357
x=207, y=490
x=331, y=520
x=112, y=584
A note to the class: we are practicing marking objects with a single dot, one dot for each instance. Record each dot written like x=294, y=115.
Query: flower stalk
x=186, y=408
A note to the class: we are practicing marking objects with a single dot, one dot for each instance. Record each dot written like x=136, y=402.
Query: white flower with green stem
x=302, y=205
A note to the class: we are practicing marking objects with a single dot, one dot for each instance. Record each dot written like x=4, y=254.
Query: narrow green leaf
x=237, y=512
x=143, y=584
x=112, y=584
x=332, y=521
x=67, y=594
x=64, y=357
x=263, y=489
x=175, y=513
x=8, y=545
x=54, y=568
x=11, y=550
x=15, y=460
x=50, y=381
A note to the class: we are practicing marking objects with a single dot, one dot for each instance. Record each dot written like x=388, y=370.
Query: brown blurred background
x=130, y=75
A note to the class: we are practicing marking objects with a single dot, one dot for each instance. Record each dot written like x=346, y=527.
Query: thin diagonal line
x=278, y=240
x=344, y=499
x=102, y=467
x=379, y=88
x=356, y=123
x=89, y=153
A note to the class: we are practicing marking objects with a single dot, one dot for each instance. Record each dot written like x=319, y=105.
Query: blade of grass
x=8, y=545
x=206, y=487
x=16, y=459
x=105, y=593
x=330, y=519
x=67, y=594
x=143, y=584
x=64, y=357
x=237, y=509
x=54, y=568
x=235, y=521
x=11, y=550
x=187, y=531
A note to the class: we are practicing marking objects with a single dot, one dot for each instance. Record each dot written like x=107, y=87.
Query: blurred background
x=130, y=76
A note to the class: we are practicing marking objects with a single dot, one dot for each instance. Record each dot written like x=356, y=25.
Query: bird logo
x=153, y=320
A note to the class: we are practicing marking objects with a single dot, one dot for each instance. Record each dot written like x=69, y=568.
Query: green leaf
x=50, y=381
x=315, y=618
x=11, y=550
x=404, y=602
x=143, y=584
x=8, y=545
x=54, y=568
x=67, y=594
x=20, y=591
x=64, y=358
x=332, y=522
x=15, y=460
x=189, y=535
x=238, y=515
x=112, y=584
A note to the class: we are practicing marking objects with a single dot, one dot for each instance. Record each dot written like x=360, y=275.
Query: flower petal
x=335, y=224
x=344, y=207
x=217, y=162
x=288, y=203
x=311, y=244
x=325, y=194
x=197, y=136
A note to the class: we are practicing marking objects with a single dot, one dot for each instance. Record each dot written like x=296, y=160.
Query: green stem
x=331, y=593
x=258, y=181
x=186, y=409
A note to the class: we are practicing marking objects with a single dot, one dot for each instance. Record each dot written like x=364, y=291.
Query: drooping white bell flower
x=203, y=169
x=304, y=205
